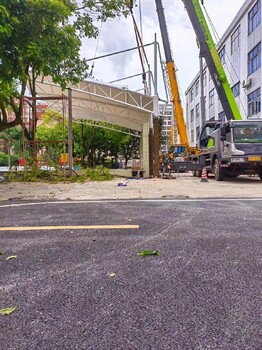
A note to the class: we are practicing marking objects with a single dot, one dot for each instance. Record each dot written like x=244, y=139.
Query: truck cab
x=207, y=129
x=233, y=148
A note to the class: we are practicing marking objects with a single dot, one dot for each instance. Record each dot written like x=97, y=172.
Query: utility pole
x=70, y=133
x=155, y=117
x=202, y=97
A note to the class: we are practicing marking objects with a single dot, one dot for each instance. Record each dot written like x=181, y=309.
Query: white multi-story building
x=240, y=53
x=167, y=115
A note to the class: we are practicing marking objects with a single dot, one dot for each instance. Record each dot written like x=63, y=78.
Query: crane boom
x=230, y=148
x=171, y=71
x=209, y=52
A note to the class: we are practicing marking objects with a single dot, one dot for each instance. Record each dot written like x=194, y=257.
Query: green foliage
x=38, y=175
x=13, y=138
x=4, y=159
x=7, y=311
x=43, y=38
x=98, y=174
x=14, y=159
x=147, y=252
x=31, y=175
x=92, y=140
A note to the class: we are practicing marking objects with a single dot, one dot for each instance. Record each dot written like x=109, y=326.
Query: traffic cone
x=204, y=175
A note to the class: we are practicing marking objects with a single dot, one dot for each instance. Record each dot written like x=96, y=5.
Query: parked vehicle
x=223, y=148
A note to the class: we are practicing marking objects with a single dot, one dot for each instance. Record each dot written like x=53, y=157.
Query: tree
x=41, y=38
x=13, y=140
x=93, y=140
x=129, y=147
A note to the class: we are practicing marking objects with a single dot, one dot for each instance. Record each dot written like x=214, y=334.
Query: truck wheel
x=260, y=175
x=194, y=171
x=198, y=173
x=219, y=172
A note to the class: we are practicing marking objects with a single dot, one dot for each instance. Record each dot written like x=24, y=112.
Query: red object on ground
x=204, y=175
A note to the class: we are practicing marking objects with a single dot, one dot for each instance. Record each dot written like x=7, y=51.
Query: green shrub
x=3, y=159
x=98, y=174
x=14, y=160
x=37, y=175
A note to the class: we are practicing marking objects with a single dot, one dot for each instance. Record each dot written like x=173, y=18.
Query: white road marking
x=135, y=201
x=80, y=227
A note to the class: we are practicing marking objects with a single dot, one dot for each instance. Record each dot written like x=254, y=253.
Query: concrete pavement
x=183, y=186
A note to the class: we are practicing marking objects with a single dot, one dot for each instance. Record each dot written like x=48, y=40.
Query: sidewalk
x=183, y=186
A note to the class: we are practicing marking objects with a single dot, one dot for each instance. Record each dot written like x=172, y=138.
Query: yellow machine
x=174, y=90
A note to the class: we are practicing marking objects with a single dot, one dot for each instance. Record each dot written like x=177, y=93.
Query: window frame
x=236, y=89
x=222, y=54
x=235, y=40
x=197, y=111
x=197, y=88
x=192, y=136
x=192, y=115
x=191, y=95
x=254, y=17
x=254, y=102
x=205, y=78
x=254, y=59
x=211, y=97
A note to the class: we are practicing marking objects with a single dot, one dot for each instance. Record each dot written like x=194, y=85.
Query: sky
x=119, y=35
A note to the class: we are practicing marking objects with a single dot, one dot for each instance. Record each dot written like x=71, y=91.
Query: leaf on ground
x=7, y=311
x=11, y=257
x=147, y=252
x=112, y=274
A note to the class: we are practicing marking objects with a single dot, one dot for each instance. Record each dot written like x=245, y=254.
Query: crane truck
x=233, y=147
x=174, y=95
x=228, y=148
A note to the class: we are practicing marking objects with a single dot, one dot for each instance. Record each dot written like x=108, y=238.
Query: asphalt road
x=88, y=288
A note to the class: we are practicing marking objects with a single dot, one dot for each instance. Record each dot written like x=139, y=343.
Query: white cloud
x=118, y=35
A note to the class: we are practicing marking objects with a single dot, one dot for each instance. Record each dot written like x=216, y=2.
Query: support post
x=155, y=117
x=156, y=147
x=70, y=133
x=202, y=98
x=151, y=150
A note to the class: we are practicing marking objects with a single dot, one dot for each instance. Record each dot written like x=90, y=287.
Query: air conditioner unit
x=246, y=83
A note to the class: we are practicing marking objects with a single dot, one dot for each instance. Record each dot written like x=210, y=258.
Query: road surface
x=86, y=288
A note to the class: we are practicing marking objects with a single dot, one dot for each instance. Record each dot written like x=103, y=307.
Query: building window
x=236, y=89
x=222, y=116
x=192, y=136
x=197, y=111
x=197, y=88
x=197, y=131
x=222, y=55
x=235, y=40
x=253, y=101
x=211, y=97
x=254, y=59
x=192, y=115
x=191, y=95
x=204, y=78
x=254, y=17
